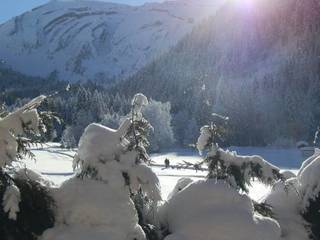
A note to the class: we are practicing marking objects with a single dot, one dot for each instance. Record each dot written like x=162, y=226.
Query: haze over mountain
x=85, y=40
x=254, y=61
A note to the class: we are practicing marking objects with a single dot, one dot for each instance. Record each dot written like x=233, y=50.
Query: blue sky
x=12, y=8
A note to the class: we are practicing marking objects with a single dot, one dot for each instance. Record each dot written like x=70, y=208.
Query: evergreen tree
x=238, y=171
x=112, y=170
x=26, y=206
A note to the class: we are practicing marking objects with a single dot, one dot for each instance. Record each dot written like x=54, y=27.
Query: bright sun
x=247, y=4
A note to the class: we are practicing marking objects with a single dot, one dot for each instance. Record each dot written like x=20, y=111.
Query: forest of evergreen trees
x=78, y=105
x=266, y=80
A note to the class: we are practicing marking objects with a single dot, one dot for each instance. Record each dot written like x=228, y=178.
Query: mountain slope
x=82, y=40
x=256, y=63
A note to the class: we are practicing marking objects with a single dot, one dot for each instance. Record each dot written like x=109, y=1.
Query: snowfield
x=55, y=163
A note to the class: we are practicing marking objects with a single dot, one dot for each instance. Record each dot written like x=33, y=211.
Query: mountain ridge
x=88, y=40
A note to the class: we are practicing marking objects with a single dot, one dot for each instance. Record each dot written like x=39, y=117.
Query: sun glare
x=246, y=4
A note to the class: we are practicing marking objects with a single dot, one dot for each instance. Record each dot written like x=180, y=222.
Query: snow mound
x=180, y=185
x=207, y=209
x=90, y=209
x=309, y=160
x=100, y=144
x=286, y=205
x=309, y=181
x=290, y=199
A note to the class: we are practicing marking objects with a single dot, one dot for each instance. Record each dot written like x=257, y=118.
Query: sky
x=12, y=8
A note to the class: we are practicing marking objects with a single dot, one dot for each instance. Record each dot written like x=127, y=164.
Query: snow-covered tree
x=214, y=207
x=23, y=199
x=296, y=201
x=13, y=126
x=238, y=171
x=112, y=172
x=158, y=114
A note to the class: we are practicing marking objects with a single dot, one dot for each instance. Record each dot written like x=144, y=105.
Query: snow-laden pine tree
x=25, y=203
x=112, y=172
x=237, y=171
x=218, y=207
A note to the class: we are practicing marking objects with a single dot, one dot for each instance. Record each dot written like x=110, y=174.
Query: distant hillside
x=258, y=64
x=14, y=85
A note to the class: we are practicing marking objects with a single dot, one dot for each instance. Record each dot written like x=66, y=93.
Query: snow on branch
x=17, y=124
x=240, y=170
x=11, y=200
x=237, y=170
x=138, y=102
x=118, y=155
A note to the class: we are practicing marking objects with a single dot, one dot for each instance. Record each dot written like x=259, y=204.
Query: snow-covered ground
x=56, y=164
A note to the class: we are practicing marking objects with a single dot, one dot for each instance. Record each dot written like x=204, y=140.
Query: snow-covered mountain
x=86, y=40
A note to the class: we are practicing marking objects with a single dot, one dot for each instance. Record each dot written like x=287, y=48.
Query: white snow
x=100, y=143
x=56, y=164
x=11, y=200
x=12, y=126
x=52, y=162
x=309, y=181
x=209, y=208
x=286, y=204
x=105, y=150
x=138, y=102
x=205, y=135
x=291, y=198
x=91, y=209
x=180, y=185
